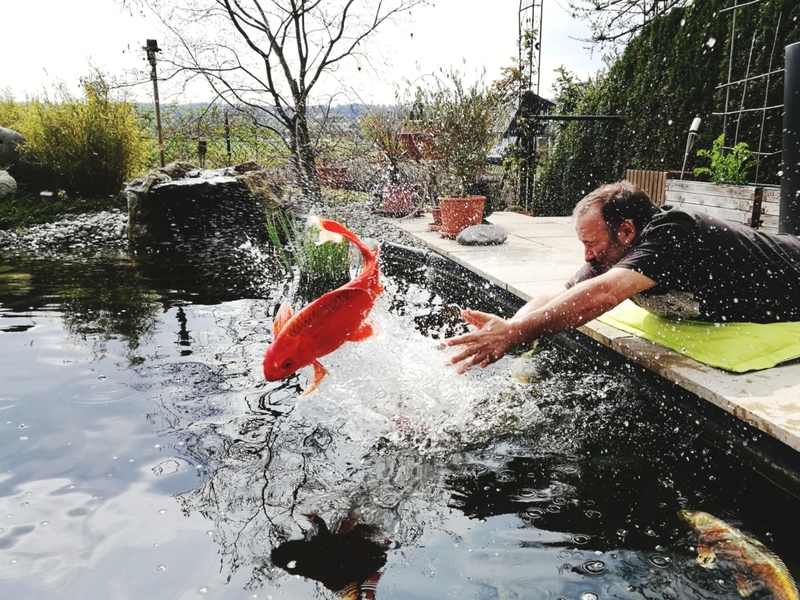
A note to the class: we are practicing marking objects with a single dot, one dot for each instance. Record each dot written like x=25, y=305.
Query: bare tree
x=266, y=57
x=617, y=21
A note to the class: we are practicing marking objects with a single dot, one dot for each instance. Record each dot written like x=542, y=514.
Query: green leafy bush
x=730, y=167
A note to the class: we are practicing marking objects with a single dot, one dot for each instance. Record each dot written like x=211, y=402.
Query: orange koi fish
x=329, y=321
x=718, y=540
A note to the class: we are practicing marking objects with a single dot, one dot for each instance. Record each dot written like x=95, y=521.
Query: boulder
x=8, y=185
x=9, y=140
x=482, y=235
x=182, y=205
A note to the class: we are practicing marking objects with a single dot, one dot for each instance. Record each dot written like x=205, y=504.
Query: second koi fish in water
x=329, y=321
x=754, y=562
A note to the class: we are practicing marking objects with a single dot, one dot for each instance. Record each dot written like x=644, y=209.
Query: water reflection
x=346, y=560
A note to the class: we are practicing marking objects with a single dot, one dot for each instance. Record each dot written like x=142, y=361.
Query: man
x=673, y=263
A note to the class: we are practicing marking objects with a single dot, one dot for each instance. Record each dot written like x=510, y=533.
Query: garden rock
x=482, y=235
x=8, y=184
x=182, y=205
x=9, y=140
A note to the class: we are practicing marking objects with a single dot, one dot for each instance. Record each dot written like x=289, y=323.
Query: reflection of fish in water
x=346, y=561
x=720, y=540
x=329, y=321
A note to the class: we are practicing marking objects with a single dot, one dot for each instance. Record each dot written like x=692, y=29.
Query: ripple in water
x=593, y=567
x=525, y=495
x=506, y=476
x=580, y=539
x=533, y=513
x=101, y=391
x=7, y=403
x=659, y=560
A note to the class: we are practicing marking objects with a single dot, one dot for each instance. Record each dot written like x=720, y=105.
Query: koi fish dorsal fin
x=319, y=374
x=361, y=333
x=284, y=314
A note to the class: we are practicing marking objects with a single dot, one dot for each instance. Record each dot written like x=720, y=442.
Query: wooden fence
x=652, y=182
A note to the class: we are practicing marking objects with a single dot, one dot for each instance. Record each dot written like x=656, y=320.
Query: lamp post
x=151, y=48
x=690, y=141
x=789, y=219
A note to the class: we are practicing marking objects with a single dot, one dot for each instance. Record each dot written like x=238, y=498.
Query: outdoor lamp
x=693, y=129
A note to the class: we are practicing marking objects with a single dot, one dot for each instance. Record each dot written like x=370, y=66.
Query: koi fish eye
x=287, y=364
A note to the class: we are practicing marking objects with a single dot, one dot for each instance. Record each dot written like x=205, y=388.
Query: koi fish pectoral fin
x=745, y=586
x=362, y=333
x=283, y=315
x=319, y=374
x=705, y=556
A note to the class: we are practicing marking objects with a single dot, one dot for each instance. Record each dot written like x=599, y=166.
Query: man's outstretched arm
x=571, y=308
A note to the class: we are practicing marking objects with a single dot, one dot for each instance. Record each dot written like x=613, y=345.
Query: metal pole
x=151, y=48
x=789, y=220
x=228, y=137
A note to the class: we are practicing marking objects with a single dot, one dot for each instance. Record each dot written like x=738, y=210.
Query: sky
x=47, y=41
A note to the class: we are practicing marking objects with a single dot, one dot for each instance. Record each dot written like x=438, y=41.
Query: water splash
x=398, y=386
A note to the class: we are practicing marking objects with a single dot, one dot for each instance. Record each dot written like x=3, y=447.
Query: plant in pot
x=466, y=121
x=383, y=129
x=727, y=167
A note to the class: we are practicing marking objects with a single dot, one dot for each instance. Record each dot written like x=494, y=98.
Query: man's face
x=600, y=249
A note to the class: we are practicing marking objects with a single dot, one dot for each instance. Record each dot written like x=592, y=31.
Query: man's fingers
x=475, y=317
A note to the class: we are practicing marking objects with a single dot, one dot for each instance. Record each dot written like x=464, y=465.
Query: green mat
x=736, y=347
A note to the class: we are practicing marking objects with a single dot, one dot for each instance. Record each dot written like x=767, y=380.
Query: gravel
x=107, y=230
x=103, y=230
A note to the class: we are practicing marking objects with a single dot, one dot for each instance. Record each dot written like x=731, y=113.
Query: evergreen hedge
x=667, y=76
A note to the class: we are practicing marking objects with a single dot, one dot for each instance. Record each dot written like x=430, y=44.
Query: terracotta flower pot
x=436, y=213
x=398, y=199
x=460, y=213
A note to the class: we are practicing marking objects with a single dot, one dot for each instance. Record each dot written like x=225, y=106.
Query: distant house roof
x=531, y=104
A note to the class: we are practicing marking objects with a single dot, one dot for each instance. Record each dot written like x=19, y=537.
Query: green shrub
x=90, y=146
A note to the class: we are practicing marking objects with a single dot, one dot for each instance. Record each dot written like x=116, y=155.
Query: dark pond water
x=143, y=456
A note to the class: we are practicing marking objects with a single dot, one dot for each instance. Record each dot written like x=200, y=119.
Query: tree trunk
x=303, y=159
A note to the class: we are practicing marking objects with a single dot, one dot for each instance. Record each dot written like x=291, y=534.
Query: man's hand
x=487, y=344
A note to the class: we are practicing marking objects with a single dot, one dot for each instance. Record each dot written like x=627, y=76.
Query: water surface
x=143, y=455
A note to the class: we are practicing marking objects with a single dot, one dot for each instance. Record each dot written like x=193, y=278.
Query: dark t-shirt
x=712, y=270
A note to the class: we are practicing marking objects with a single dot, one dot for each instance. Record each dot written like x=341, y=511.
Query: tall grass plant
x=89, y=145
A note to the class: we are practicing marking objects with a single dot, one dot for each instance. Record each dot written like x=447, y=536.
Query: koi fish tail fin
x=332, y=227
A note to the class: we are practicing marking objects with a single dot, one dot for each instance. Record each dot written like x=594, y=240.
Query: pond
x=142, y=454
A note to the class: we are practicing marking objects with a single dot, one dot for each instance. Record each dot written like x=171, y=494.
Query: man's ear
x=626, y=232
